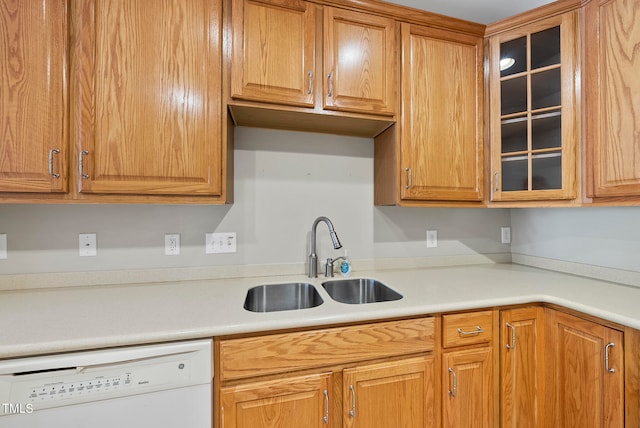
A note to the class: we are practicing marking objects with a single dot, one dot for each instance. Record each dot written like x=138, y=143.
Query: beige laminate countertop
x=54, y=320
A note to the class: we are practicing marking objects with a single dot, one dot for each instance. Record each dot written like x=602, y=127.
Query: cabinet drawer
x=280, y=353
x=467, y=329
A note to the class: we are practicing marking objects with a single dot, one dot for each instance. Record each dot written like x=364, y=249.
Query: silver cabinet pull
x=409, y=178
x=310, y=74
x=497, y=176
x=606, y=357
x=352, y=412
x=454, y=391
x=475, y=332
x=512, y=345
x=325, y=419
x=51, y=153
x=330, y=93
x=80, y=166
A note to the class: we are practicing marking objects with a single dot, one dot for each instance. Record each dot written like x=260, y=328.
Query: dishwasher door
x=159, y=386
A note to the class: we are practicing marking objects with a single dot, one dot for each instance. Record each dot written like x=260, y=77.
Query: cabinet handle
x=80, y=166
x=453, y=392
x=330, y=93
x=512, y=345
x=51, y=153
x=325, y=419
x=310, y=74
x=606, y=357
x=409, y=178
x=497, y=181
x=475, y=332
x=352, y=412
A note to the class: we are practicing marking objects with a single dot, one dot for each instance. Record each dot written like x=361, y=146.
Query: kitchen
x=283, y=180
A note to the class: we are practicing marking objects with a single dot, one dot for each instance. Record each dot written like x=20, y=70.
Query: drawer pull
x=352, y=412
x=325, y=419
x=512, y=345
x=475, y=332
x=51, y=153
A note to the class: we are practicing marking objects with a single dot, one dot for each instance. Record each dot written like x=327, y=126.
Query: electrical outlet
x=505, y=235
x=3, y=246
x=220, y=242
x=172, y=244
x=87, y=245
x=432, y=238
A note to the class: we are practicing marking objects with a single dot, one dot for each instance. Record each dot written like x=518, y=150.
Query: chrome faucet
x=313, y=257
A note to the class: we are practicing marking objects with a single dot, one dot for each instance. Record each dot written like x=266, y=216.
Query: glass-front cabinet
x=533, y=111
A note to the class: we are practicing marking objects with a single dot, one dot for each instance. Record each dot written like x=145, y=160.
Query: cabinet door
x=294, y=402
x=613, y=104
x=359, y=62
x=586, y=366
x=534, y=126
x=147, y=96
x=441, y=141
x=273, y=53
x=467, y=389
x=521, y=368
x=389, y=395
x=33, y=96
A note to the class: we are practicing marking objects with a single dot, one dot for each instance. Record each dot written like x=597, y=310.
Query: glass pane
x=515, y=174
x=515, y=50
x=545, y=89
x=546, y=131
x=546, y=171
x=545, y=48
x=514, y=135
x=513, y=96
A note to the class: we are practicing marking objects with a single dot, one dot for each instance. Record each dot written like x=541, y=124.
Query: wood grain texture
x=441, y=121
x=632, y=377
x=613, y=85
x=359, y=56
x=522, y=368
x=585, y=394
x=281, y=353
x=273, y=51
x=33, y=95
x=473, y=404
x=570, y=113
x=147, y=103
x=467, y=322
x=395, y=394
x=293, y=402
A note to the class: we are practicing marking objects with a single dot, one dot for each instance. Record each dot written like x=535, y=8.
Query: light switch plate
x=432, y=238
x=220, y=243
x=3, y=246
x=88, y=245
x=505, y=235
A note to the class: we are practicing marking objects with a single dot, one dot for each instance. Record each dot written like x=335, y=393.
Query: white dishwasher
x=160, y=386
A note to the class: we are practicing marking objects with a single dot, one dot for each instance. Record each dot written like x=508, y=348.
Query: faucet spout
x=313, y=257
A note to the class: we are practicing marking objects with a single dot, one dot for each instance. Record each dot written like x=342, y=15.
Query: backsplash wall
x=283, y=181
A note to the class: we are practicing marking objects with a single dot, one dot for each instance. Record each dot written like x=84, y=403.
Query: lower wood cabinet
x=291, y=402
x=390, y=394
x=585, y=366
x=521, y=368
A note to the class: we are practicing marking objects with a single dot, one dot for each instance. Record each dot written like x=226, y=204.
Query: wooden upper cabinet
x=586, y=368
x=612, y=40
x=359, y=62
x=146, y=91
x=33, y=96
x=441, y=122
x=273, y=53
x=533, y=111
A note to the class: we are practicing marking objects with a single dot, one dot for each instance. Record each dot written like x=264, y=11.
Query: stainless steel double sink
x=302, y=295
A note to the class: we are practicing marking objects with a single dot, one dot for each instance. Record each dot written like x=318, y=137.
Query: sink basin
x=282, y=297
x=360, y=290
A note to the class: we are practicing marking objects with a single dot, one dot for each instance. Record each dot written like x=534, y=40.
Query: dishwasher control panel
x=59, y=386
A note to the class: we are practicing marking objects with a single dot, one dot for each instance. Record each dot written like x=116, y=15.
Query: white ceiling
x=481, y=11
